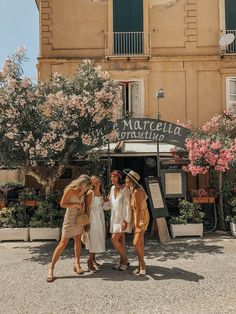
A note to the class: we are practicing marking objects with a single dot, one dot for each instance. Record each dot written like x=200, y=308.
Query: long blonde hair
x=77, y=183
x=102, y=190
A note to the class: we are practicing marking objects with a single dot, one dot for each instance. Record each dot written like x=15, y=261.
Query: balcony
x=127, y=44
x=231, y=48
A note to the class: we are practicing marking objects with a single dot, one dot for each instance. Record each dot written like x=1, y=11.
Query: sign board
x=142, y=129
x=156, y=197
x=174, y=182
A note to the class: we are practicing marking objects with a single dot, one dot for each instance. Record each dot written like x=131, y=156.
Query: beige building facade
x=147, y=45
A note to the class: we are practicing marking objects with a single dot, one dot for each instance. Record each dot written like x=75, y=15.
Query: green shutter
x=128, y=18
x=230, y=14
x=127, y=15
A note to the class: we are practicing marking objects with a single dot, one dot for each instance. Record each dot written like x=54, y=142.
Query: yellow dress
x=144, y=215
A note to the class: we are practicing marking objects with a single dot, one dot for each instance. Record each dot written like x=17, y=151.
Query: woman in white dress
x=121, y=215
x=95, y=238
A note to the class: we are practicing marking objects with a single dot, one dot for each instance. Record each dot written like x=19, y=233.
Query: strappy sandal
x=50, y=277
x=136, y=271
x=124, y=267
x=77, y=269
x=116, y=267
x=96, y=264
x=142, y=272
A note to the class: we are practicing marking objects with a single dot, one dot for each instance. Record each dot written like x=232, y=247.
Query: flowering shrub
x=49, y=123
x=189, y=213
x=213, y=145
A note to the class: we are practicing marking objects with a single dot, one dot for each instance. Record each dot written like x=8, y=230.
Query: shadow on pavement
x=181, y=248
x=153, y=273
x=184, y=249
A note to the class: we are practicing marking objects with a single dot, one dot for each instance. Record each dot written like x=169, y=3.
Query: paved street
x=184, y=276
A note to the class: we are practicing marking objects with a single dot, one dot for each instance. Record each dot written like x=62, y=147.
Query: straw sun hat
x=132, y=175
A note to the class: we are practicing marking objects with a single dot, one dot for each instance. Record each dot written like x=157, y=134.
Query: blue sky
x=19, y=27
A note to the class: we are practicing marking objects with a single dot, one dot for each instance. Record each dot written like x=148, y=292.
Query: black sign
x=156, y=197
x=143, y=129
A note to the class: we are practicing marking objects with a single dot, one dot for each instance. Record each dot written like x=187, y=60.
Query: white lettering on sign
x=144, y=129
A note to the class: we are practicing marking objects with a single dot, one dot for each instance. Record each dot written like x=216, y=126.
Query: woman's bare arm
x=65, y=203
x=88, y=200
x=138, y=198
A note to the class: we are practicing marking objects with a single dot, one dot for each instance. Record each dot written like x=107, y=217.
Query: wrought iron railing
x=127, y=44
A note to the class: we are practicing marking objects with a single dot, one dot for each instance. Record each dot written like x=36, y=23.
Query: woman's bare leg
x=117, y=241
x=90, y=262
x=58, y=250
x=77, y=248
x=138, y=243
x=56, y=254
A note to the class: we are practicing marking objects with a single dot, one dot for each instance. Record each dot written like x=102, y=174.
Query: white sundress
x=120, y=210
x=95, y=238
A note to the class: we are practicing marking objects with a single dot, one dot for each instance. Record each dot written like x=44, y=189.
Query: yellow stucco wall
x=184, y=58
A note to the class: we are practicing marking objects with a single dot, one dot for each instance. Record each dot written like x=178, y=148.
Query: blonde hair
x=79, y=182
x=102, y=190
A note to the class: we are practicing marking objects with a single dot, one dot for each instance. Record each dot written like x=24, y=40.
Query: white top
x=120, y=210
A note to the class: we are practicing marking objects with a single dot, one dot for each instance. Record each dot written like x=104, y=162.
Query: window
x=128, y=27
x=131, y=98
x=231, y=91
x=230, y=14
x=230, y=23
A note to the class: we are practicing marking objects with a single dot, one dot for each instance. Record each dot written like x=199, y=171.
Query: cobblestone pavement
x=186, y=275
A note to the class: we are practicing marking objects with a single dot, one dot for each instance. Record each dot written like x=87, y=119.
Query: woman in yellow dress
x=140, y=216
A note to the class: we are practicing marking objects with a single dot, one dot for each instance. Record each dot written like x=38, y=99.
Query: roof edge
x=37, y=3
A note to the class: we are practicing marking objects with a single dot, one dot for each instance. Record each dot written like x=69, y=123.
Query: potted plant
x=14, y=222
x=47, y=219
x=29, y=197
x=189, y=222
x=231, y=217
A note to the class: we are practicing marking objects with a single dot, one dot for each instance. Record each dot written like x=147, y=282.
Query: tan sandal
x=136, y=271
x=142, y=272
x=50, y=277
x=77, y=269
x=96, y=264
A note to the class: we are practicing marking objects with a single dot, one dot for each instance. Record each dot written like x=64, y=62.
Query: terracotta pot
x=30, y=203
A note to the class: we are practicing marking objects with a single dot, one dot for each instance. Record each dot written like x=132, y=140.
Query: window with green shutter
x=128, y=26
x=230, y=14
x=230, y=23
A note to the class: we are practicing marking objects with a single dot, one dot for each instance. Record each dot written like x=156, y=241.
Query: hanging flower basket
x=204, y=199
